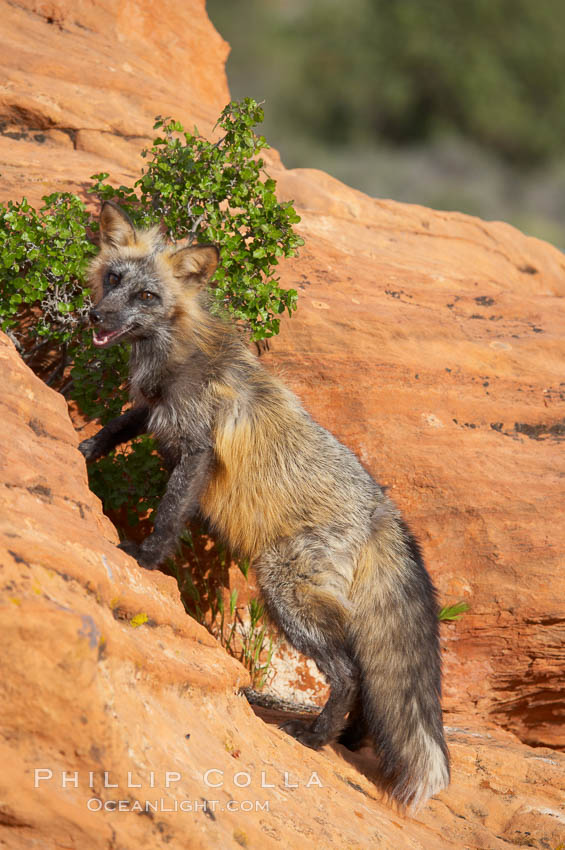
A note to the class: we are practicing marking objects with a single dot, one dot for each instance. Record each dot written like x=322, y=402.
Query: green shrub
x=44, y=254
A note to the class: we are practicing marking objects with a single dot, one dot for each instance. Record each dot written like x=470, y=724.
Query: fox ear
x=116, y=229
x=196, y=264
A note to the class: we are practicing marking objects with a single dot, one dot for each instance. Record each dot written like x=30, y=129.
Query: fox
x=339, y=571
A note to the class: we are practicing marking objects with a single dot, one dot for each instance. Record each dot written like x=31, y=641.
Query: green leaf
x=453, y=612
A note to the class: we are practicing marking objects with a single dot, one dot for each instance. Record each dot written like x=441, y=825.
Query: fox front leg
x=130, y=424
x=180, y=503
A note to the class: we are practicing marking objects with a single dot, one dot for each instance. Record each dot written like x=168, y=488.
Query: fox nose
x=94, y=316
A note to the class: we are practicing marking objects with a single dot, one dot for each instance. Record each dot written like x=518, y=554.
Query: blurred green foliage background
x=455, y=104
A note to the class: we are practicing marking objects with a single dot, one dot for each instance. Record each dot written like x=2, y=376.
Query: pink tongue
x=102, y=339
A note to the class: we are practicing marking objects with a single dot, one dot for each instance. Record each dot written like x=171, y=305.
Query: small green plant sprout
x=453, y=612
x=243, y=565
x=257, y=645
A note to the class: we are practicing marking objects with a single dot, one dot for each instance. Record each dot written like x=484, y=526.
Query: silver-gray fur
x=340, y=573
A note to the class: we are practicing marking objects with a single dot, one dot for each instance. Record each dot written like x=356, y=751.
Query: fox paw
x=136, y=551
x=89, y=449
x=303, y=732
x=130, y=547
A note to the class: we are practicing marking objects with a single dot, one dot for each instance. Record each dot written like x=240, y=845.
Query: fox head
x=140, y=283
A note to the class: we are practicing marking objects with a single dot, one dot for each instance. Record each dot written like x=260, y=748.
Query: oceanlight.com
x=169, y=804
x=172, y=780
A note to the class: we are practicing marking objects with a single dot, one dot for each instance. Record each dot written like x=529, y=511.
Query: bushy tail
x=394, y=639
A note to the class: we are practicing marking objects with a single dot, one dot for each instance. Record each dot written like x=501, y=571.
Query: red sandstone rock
x=431, y=343
x=104, y=709
x=83, y=81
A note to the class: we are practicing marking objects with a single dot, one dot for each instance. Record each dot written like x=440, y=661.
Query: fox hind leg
x=303, y=601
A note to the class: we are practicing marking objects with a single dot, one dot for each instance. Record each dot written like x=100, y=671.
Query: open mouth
x=102, y=338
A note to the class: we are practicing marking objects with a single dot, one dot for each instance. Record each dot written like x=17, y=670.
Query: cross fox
x=339, y=571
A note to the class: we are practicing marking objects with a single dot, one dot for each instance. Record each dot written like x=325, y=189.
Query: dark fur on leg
x=326, y=727
x=130, y=424
x=178, y=505
x=356, y=731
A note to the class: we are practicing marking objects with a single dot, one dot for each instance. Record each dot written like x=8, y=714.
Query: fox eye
x=146, y=296
x=113, y=279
